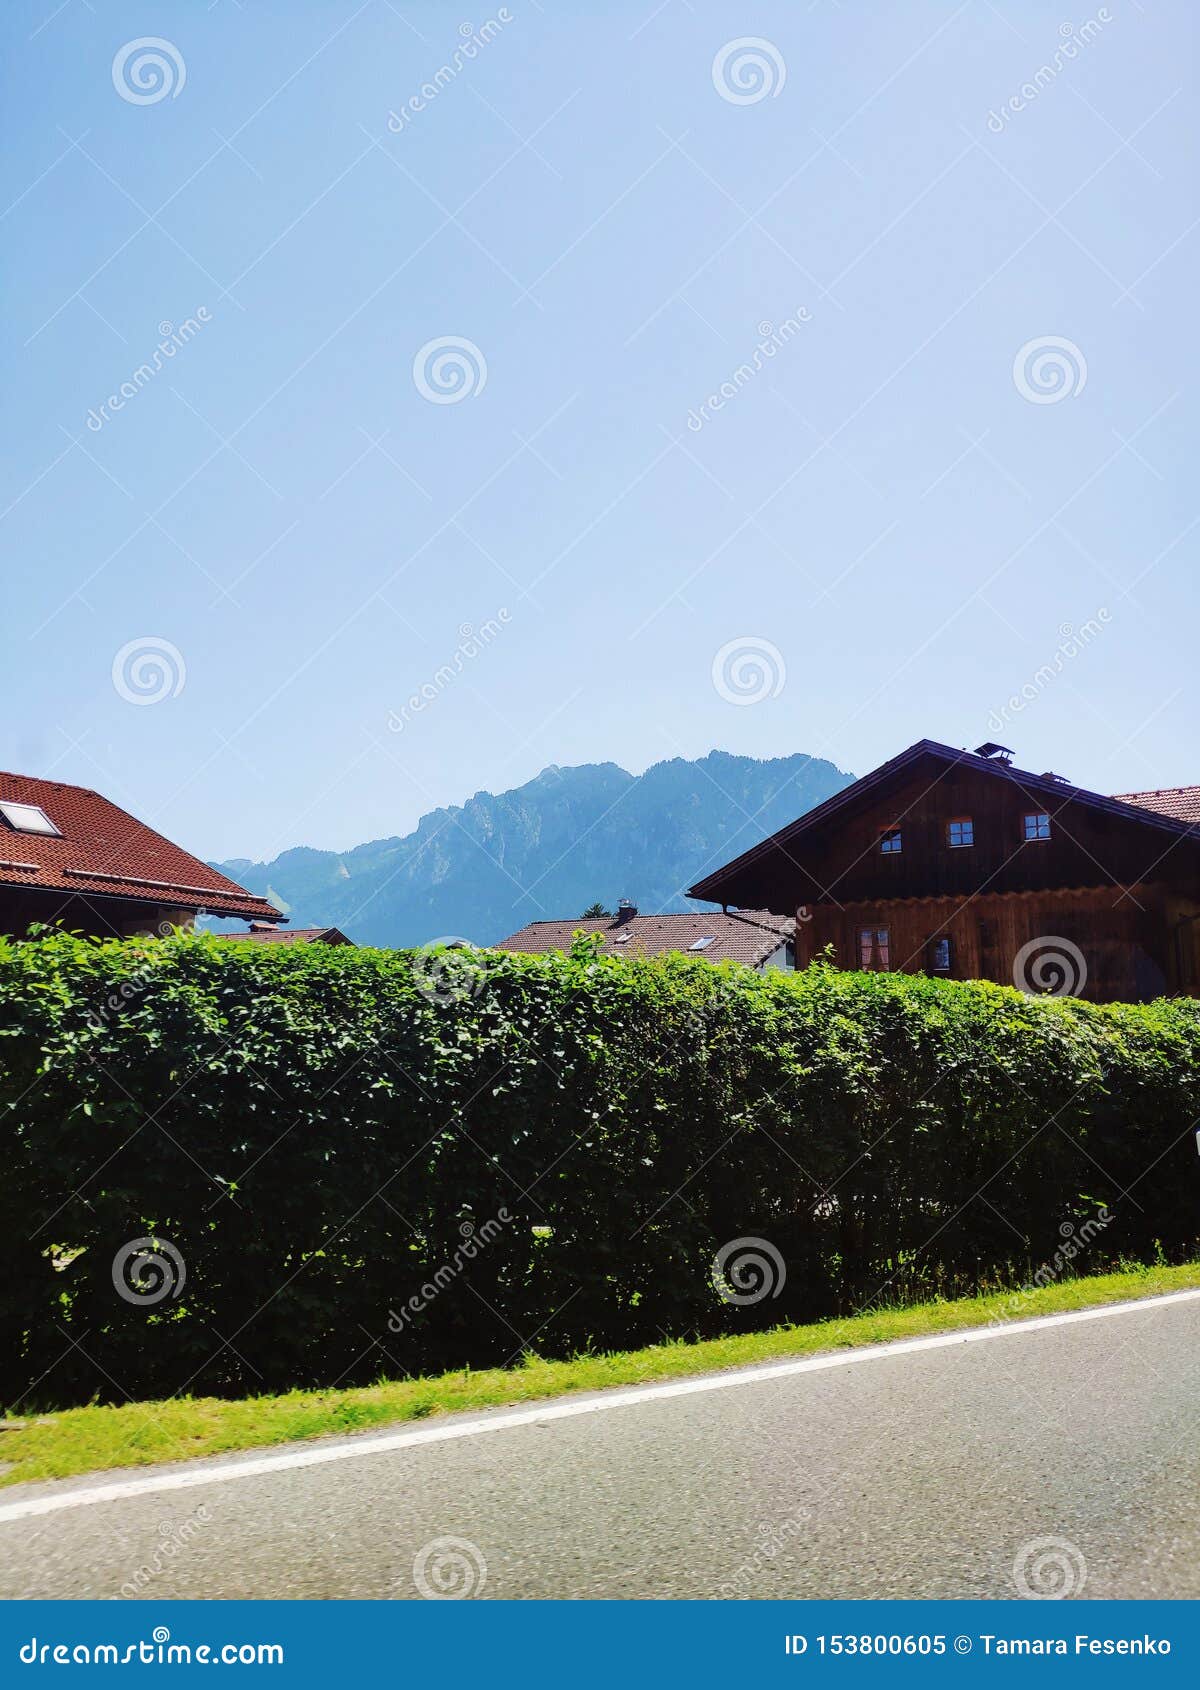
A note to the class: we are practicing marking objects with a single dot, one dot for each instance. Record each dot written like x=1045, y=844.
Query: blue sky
x=900, y=517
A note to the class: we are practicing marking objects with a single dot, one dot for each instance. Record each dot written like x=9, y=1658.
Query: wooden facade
x=102, y=918
x=958, y=865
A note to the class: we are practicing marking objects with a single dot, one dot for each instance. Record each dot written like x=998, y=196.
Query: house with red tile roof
x=755, y=938
x=71, y=858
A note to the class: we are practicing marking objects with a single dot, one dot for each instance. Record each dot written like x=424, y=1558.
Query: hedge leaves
x=333, y=1164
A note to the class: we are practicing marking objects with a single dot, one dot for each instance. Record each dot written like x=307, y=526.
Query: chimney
x=626, y=910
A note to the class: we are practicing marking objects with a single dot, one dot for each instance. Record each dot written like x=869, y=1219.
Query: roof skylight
x=702, y=943
x=27, y=818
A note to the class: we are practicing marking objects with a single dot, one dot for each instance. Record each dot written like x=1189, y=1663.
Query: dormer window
x=960, y=832
x=1036, y=825
x=890, y=842
x=27, y=818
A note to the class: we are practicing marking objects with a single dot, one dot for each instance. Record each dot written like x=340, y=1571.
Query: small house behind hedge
x=266, y=933
x=755, y=938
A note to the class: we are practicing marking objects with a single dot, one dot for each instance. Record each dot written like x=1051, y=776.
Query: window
x=27, y=818
x=873, y=947
x=702, y=943
x=941, y=955
x=1036, y=825
x=890, y=842
x=960, y=832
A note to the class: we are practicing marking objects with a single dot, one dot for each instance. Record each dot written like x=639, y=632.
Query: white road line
x=317, y=1455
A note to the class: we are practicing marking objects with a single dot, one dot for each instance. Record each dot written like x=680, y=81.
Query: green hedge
x=539, y=1153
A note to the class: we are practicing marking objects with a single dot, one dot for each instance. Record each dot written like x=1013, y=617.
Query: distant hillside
x=550, y=848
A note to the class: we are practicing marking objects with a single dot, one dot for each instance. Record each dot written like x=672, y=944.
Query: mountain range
x=566, y=839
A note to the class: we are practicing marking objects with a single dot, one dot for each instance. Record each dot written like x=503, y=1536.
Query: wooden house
x=957, y=864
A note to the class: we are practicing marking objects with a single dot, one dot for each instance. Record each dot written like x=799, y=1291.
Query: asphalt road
x=911, y=1473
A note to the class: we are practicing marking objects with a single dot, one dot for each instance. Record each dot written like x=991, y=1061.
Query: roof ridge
x=708, y=887
x=58, y=785
x=657, y=915
x=1152, y=791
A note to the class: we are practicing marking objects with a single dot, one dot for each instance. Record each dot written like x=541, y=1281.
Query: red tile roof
x=104, y=851
x=1180, y=802
x=747, y=936
x=293, y=936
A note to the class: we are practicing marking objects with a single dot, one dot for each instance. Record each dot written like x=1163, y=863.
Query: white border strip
x=316, y=1455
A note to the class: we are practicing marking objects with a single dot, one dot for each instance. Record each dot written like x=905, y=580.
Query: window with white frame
x=27, y=818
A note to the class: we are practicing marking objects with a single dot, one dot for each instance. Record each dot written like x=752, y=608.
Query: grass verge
x=82, y=1440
